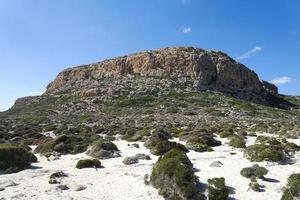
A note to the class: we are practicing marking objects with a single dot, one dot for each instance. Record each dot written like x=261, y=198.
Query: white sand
x=120, y=182
x=232, y=165
x=114, y=182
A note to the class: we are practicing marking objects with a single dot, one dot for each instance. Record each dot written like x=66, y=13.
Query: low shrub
x=173, y=175
x=237, y=142
x=253, y=185
x=201, y=141
x=292, y=190
x=254, y=171
x=64, y=144
x=270, y=149
x=14, y=158
x=217, y=189
x=159, y=143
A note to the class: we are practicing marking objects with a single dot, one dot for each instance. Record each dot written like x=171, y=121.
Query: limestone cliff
x=209, y=70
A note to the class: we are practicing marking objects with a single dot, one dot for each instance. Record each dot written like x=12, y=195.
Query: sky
x=39, y=38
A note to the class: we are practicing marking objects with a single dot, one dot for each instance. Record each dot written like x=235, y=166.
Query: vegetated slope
x=172, y=87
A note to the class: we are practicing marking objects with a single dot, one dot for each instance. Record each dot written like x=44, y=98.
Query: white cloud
x=6, y=107
x=187, y=30
x=36, y=93
x=249, y=53
x=281, y=80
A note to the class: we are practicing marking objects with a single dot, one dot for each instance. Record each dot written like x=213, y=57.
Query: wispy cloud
x=281, y=80
x=187, y=30
x=6, y=107
x=249, y=53
x=36, y=93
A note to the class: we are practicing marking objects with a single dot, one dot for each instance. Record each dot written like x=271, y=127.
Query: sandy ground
x=232, y=165
x=117, y=181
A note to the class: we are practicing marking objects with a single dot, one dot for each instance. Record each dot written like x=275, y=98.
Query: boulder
x=130, y=160
x=103, y=150
x=88, y=163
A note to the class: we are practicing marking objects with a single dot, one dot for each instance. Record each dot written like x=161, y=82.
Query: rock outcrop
x=208, y=70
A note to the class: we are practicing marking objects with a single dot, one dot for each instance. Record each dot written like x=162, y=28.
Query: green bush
x=226, y=133
x=173, y=175
x=88, y=163
x=255, y=186
x=292, y=190
x=201, y=141
x=263, y=152
x=64, y=144
x=14, y=158
x=217, y=189
x=164, y=146
x=159, y=143
x=254, y=171
x=270, y=149
x=237, y=142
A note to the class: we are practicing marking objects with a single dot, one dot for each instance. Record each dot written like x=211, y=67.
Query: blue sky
x=39, y=38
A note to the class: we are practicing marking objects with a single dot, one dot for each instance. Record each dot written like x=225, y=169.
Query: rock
x=210, y=70
x=2, y=189
x=60, y=147
x=103, y=150
x=9, y=183
x=62, y=187
x=216, y=164
x=56, y=177
x=130, y=160
x=88, y=163
x=141, y=156
x=136, y=145
x=79, y=188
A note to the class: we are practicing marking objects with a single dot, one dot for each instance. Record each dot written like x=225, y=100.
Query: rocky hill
x=166, y=124
x=205, y=70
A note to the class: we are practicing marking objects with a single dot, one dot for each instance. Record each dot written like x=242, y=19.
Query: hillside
x=184, y=98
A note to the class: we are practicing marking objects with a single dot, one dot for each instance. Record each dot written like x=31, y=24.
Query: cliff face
x=209, y=70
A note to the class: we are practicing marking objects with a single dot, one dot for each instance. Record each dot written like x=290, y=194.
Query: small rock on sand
x=79, y=188
x=216, y=164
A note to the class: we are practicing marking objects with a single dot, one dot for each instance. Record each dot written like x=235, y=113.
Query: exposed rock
x=209, y=70
x=8, y=183
x=130, y=160
x=136, y=145
x=79, y=188
x=141, y=156
x=88, y=163
x=56, y=177
x=216, y=164
x=135, y=159
x=62, y=187
x=270, y=87
x=103, y=150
